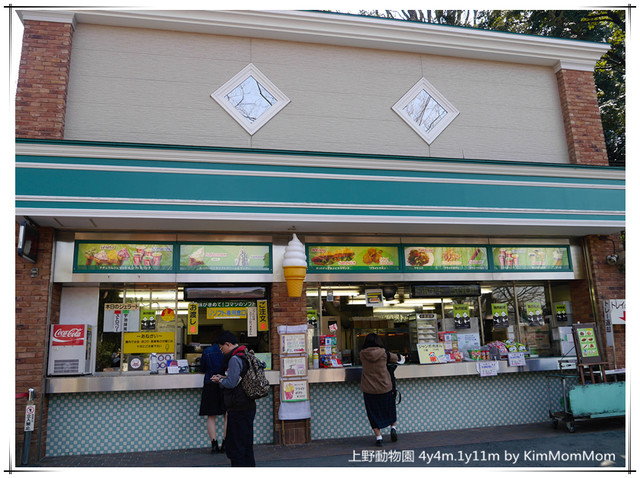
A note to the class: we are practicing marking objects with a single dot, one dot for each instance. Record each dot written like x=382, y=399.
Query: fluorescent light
x=336, y=293
x=393, y=310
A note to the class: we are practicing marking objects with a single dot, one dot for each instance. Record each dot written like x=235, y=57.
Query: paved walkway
x=595, y=443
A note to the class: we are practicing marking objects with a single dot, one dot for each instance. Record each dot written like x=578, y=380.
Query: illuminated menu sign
x=454, y=290
x=225, y=258
x=123, y=257
x=353, y=258
x=425, y=258
x=531, y=258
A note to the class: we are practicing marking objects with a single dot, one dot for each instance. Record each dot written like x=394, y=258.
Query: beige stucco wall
x=136, y=85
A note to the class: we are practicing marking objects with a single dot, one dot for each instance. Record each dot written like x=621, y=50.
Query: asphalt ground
x=594, y=444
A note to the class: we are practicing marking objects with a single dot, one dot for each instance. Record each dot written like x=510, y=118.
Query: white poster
x=121, y=318
x=252, y=321
x=487, y=369
x=516, y=359
x=468, y=341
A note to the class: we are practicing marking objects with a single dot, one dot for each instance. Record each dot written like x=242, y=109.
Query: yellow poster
x=263, y=316
x=431, y=353
x=149, y=342
x=226, y=313
x=192, y=319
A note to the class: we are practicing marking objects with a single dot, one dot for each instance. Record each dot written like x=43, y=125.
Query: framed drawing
x=294, y=390
x=293, y=343
x=293, y=366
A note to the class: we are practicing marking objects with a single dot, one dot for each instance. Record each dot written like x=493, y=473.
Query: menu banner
x=225, y=258
x=462, y=316
x=121, y=317
x=500, y=314
x=445, y=258
x=533, y=314
x=516, y=258
x=122, y=257
x=192, y=318
x=263, y=316
x=352, y=258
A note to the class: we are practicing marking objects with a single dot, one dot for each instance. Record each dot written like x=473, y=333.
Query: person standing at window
x=211, y=401
x=241, y=410
x=376, y=386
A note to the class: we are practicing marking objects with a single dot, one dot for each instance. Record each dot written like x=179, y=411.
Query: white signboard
x=617, y=311
x=468, y=341
x=487, y=369
x=252, y=321
x=29, y=418
x=516, y=359
x=121, y=318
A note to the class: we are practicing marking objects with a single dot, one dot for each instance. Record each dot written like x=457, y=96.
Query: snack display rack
x=423, y=329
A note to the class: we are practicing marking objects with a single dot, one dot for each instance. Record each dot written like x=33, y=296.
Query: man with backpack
x=241, y=410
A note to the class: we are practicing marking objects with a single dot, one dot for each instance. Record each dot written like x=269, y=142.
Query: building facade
x=191, y=137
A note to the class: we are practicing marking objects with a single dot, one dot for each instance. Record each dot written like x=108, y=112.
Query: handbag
x=391, y=368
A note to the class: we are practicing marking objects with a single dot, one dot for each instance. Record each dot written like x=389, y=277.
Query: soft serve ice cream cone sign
x=295, y=266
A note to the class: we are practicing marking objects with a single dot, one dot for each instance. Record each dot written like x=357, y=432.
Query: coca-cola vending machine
x=70, y=349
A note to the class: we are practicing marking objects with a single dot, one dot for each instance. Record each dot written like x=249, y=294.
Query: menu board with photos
x=122, y=257
x=587, y=344
x=531, y=258
x=223, y=257
x=425, y=258
x=352, y=258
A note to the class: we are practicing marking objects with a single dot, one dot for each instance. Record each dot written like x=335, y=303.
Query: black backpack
x=391, y=368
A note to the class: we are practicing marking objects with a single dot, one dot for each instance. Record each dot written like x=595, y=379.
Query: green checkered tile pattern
x=438, y=403
x=119, y=422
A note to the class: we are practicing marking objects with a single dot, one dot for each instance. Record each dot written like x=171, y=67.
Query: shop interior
x=409, y=314
x=405, y=315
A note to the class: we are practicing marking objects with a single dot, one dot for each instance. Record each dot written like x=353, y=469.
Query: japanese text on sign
x=192, y=319
x=149, y=342
x=263, y=316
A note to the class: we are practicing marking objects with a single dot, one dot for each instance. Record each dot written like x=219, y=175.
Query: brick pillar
x=582, y=122
x=286, y=310
x=608, y=282
x=41, y=95
x=586, y=144
x=36, y=300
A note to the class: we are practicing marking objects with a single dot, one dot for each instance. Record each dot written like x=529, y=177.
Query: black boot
x=222, y=447
x=214, y=446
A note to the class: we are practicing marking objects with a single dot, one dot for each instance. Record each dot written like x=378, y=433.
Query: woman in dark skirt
x=211, y=402
x=376, y=386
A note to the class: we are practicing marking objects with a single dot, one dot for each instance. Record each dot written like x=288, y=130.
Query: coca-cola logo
x=67, y=335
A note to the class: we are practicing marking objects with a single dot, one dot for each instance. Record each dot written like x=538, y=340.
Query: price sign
x=487, y=369
x=516, y=359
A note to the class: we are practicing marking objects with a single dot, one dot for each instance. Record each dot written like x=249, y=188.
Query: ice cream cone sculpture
x=295, y=266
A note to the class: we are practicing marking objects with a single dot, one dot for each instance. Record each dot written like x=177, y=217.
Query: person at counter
x=241, y=410
x=376, y=386
x=212, y=401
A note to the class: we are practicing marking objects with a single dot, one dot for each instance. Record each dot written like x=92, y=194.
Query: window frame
x=250, y=70
x=423, y=84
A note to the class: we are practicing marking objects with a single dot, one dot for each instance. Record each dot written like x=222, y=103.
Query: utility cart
x=594, y=395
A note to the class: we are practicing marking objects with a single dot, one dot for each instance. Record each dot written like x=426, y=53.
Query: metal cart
x=585, y=402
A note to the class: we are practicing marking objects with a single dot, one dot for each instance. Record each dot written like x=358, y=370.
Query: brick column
x=37, y=298
x=41, y=99
x=582, y=122
x=608, y=282
x=41, y=95
x=286, y=310
x=586, y=144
